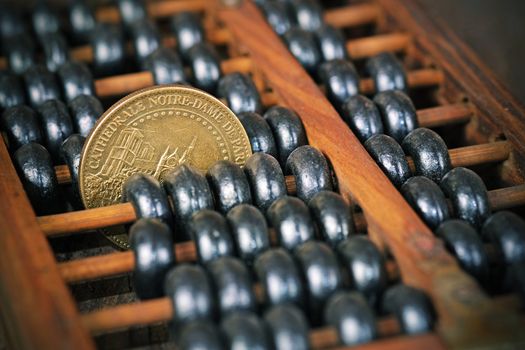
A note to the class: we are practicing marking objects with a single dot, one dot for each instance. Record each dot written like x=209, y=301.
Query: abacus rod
x=156, y=9
x=444, y=115
x=352, y=15
x=416, y=79
x=373, y=45
x=508, y=197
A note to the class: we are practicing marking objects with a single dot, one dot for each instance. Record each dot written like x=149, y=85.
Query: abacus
x=455, y=95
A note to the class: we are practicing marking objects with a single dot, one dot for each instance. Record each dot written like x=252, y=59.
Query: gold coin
x=152, y=131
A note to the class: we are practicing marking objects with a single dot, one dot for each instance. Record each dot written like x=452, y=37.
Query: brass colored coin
x=152, y=131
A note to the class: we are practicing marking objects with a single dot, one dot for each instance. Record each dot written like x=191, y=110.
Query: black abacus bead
x=277, y=16
x=189, y=192
x=199, y=335
x=82, y=20
x=240, y=93
x=259, y=133
x=340, y=80
x=165, y=66
x=76, y=80
x=85, y=111
x=56, y=51
x=109, y=50
x=211, y=234
x=321, y=273
x=468, y=194
x=191, y=294
x=38, y=177
x=188, y=31
x=70, y=152
x=44, y=19
x=390, y=157
x=464, y=242
x=303, y=46
x=288, y=131
x=387, y=72
x=11, y=22
x=331, y=43
x=229, y=184
x=310, y=170
x=362, y=116
x=148, y=198
x=249, y=231
x=152, y=245
x=266, y=179
x=11, y=90
x=507, y=231
x=233, y=285
x=56, y=126
x=427, y=199
x=132, y=11
x=365, y=266
x=412, y=308
x=21, y=126
x=146, y=39
x=308, y=14
x=41, y=85
x=398, y=112
x=288, y=327
x=291, y=220
x=280, y=278
x=349, y=313
x=244, y=330
x=333, y=217
x=205, y=67
x=429, y=152
x=19, y=51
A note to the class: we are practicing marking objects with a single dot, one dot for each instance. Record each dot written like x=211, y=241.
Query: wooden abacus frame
x=39, y=312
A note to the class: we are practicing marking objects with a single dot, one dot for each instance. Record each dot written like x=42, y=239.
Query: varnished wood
x=416, y=79
x=352, y=15
x=370, y=46
x=427, y=341
x=444, y=115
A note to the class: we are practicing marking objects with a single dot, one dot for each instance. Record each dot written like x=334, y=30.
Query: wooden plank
x=36, y=304
x=466, y=314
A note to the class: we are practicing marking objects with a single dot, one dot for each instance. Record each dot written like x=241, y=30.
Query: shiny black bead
x=308, y=14
x=189, y=192
x=398, y=112
x=412, y=308
x=165, y=66
x=259, y=133
x=291, y=220
x=229, y=184
x=429, y=152
x=148, y=198
x=199, y=335
x=76, y=80
x=321, y=273
x=11, y=90
x=249, y=232
x=152, y=245
x=44, y=19
x=82, y=20
x=303, y=46
x=191, y=294
x=288, y=327
x=21, y=126
x=205, y=67
x=277, y=16
x=38, y=177
x=365, y=266
x=11, y=22
x=427, y=199
x=19, y=50
x=266, y=179
x=240, y=93
x=188, y=31
x=244, y=330
x=468, y=194
x=109, y=50
x=70, y=152
x=332, y=215
x=146, y=39
x=349, y=313
x=56, y=126
x=211, y=234
x=280, y=278
x=340, y=80
x=85, y=111
x=233, y=285
x=288, y=131
x=463, y=241
x=41, y=85
x=331, y=43
x=56, y=51
x=132, y=11
x=362, y=116
x=310, y=170
x=390, y=157
x=507, y=231
x=387, y=72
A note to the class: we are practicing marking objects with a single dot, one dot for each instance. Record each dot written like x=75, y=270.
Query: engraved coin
x=152, y=131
